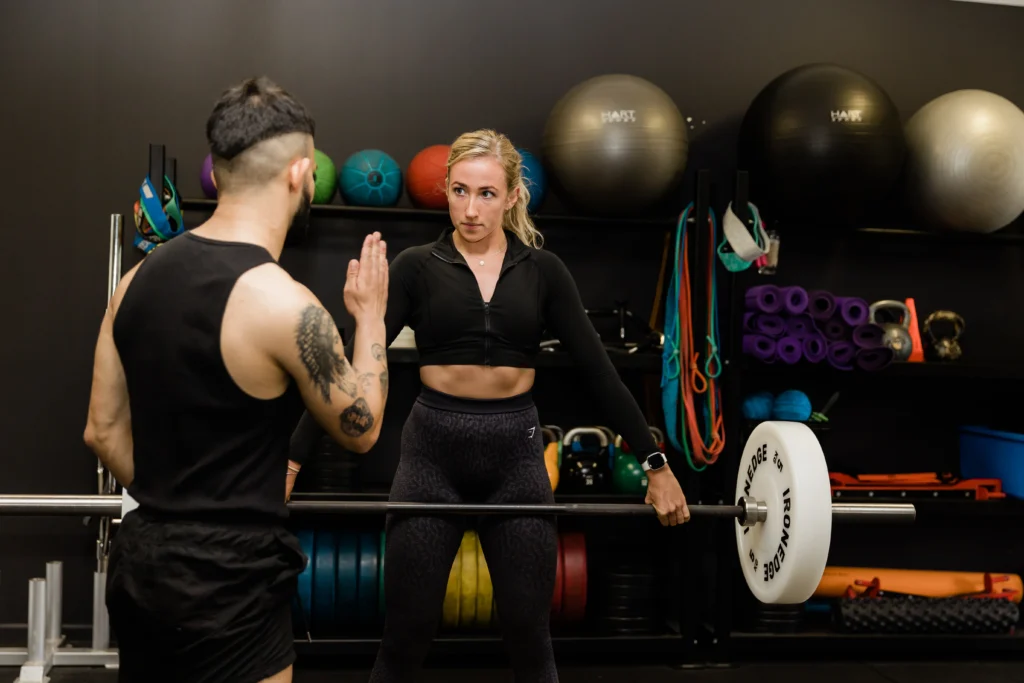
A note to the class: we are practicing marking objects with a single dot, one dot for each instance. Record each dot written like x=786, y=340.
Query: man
x=206, y=355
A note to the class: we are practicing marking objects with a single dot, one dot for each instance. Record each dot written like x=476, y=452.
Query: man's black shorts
x=197, y=602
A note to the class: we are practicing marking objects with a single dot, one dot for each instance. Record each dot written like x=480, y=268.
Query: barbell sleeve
x=750, y=511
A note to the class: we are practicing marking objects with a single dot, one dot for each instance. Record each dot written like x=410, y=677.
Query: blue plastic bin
x=991, y=454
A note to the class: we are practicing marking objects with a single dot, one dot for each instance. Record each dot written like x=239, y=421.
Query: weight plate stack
x=346, y=597
x=324, y=575
x=303, y=604
x=369, y=559
x=627, y=595
x=912, y=614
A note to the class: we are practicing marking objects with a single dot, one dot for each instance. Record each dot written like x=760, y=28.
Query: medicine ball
x=326, y=178
x=424, y=179
x=966, y=161
x=615, y=144
x=821, y=141
x=370, y=178
x=206, y=178
x=535, y=178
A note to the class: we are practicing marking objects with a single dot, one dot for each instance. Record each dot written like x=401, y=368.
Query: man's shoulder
x=270, y=290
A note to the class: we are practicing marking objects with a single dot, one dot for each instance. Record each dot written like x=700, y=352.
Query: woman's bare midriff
x=477, y=381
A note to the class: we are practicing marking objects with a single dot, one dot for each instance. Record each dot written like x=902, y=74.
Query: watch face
x=655, y=460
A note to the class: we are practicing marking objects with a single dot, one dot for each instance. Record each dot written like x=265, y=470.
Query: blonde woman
x=479, y=299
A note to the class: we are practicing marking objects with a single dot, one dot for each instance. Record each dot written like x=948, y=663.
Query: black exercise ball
x=821, y=141
x=615, y=144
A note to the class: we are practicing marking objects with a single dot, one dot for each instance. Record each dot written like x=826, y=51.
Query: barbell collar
x=748, y=512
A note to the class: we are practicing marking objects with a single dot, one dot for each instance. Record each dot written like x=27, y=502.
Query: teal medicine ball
x=792, y=406
x=370, y=178
x=758, y=406
x=535, y=179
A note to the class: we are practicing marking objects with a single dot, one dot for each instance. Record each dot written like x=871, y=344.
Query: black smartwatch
x=654, y=461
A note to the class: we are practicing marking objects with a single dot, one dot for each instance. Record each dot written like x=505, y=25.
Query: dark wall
x=87, y=85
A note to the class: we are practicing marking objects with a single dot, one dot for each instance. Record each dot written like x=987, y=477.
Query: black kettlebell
x=584, y=467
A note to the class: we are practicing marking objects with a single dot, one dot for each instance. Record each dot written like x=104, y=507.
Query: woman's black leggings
x=457, y=450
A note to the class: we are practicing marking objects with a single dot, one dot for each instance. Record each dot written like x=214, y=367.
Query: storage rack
x=704, y=632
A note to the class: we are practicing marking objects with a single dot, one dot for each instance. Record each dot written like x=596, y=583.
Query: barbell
x=783, y=515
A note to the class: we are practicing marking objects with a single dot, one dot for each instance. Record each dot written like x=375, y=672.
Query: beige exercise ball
x=966, y=161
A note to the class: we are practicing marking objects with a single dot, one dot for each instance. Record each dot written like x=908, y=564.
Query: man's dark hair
x=253, y=111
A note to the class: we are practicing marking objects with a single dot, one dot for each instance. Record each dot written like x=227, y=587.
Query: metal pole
x=111, y=505
x=54, y=583
x=866, y=513
x=100, y=617
x=36, y=621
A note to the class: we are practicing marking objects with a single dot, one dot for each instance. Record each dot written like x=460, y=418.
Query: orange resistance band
x=693, y=381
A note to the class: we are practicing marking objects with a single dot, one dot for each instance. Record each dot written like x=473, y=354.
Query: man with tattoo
x=206, y=356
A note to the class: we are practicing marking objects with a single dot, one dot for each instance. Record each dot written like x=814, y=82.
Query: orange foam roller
x=924, y=582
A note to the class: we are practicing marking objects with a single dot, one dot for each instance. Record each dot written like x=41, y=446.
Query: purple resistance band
x=814, y=347
x=868, y=336
x=853, y=310
x=759, y=346
x=794, y=299
x=841, y=354
x=789, y=350
x=764, y=298
x=875, y=359
x=821, y=304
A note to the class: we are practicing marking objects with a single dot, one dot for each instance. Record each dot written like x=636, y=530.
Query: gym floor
x=833, y=672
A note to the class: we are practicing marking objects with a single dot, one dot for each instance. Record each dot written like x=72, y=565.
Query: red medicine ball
x=424, y=180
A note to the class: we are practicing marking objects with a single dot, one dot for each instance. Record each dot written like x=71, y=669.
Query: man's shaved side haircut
x=256, y=128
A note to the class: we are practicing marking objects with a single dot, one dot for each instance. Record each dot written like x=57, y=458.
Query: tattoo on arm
x=366, y=380
x=384, y=383
x=316, y=336
x=378, y=352
x=356, y=420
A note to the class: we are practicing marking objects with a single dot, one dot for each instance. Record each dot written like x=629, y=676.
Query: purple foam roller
x=759, y=346
x=794, y=299
x=853, y=310
x=821, y=304
x=873, y=360
x=764, y=298
x=800, y=326
x=834, y=330
x=762, y=323
x=868, y=336
x=841, y=354
x=789, y=350
x=814, y=347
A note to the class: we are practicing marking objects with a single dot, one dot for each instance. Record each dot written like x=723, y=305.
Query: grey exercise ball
x=966, y=161
x=615, y=144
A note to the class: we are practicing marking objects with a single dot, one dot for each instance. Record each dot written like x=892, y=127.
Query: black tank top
x=203, y=447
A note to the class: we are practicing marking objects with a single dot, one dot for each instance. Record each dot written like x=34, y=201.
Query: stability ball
x=966, y=161
x=370, y=178
x=821, y=141
x=615, y=144
x=424, y=179
x=326, y=178
x=535, y=179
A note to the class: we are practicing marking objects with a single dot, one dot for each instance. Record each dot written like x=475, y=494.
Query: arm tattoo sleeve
x=356, y=420
x=316, y=336
x=384, y=384
x=378, y=352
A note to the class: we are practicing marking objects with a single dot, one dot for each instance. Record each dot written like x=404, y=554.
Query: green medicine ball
x=326, y=177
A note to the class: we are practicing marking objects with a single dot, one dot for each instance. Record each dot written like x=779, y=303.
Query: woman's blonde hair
x=486, y=142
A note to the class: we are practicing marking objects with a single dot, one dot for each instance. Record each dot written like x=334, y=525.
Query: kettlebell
x=552, y=448
x=627, y=475
x=582, y=466
x=894, y=335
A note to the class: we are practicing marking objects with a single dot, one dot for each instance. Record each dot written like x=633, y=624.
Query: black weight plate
x=637, y=592
x=619, y=602
x=627, y=579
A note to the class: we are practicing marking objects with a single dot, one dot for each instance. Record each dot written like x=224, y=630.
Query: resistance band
x=682, y=378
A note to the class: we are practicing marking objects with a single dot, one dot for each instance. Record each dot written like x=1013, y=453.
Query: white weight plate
x=783, y=558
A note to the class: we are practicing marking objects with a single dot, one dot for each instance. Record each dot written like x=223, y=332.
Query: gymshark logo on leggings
x=530, y=432
x=619, y=116
x=851, y=115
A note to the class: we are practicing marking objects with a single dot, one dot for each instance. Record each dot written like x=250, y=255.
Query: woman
x=478, y=300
